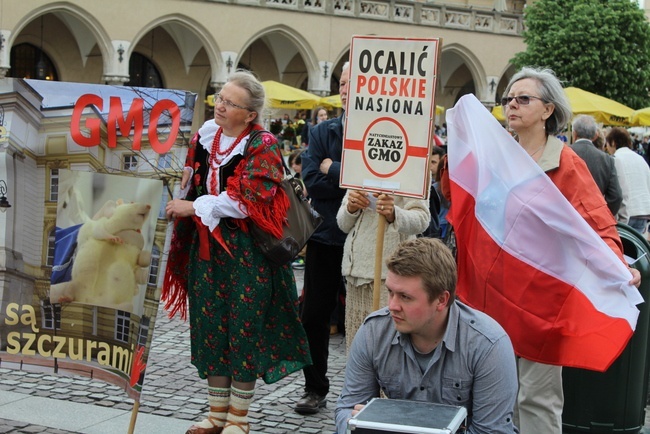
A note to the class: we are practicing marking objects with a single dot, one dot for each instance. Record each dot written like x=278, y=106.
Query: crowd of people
x=424, y=344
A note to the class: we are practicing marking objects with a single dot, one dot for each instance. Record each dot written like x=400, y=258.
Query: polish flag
x=526, y=257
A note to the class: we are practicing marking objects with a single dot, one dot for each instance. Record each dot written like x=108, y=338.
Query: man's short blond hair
x=429, y=259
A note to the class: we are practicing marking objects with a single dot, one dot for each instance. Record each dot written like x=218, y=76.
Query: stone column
x=4, y=53
x=320, y=85
x=222, y=71
x=116, y=67
x=491, y=84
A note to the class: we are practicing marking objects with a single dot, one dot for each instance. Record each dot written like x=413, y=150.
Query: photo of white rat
x=109, y=262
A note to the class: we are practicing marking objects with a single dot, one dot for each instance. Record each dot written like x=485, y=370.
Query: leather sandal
x=195, y=429
x=214, y=429
x=245, y=427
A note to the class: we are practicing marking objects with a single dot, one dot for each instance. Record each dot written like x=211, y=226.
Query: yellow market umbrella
x=604, y=110
x=497, y=112
x=332, y=101
x=641, y=117
x=284, y=96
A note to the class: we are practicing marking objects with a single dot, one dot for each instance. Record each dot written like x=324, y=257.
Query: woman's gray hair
x=256, y=94
x=551, y=91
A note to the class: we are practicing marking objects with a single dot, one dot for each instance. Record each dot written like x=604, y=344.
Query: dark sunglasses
x=521, y=99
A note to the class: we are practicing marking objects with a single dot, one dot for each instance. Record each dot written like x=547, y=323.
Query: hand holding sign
x=384, y=204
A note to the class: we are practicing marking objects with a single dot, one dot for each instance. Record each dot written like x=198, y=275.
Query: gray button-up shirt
x=474, y=366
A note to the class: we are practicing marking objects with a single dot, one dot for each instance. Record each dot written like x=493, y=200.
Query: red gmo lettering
x=117, y=120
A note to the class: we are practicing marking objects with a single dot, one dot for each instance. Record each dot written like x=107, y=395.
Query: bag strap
x=253, y=135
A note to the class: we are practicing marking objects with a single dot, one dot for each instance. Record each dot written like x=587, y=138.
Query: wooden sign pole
x=134, y=416
x=379, y=253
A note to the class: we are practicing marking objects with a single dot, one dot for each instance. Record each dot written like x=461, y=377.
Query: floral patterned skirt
x=243, y=312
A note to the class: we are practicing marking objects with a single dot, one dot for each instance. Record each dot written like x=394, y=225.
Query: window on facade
x=144, y=331
x=165, y=161
x=143, y=73
x=122, y=326
x=155, y=264
x=54, y=185
x=162, y=212
x=29, y=61
x=50, y=315
x=49, y=261
x=130, y=162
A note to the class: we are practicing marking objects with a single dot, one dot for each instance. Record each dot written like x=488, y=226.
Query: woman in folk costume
x=244, y=322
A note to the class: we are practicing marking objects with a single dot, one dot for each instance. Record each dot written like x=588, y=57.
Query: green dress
x=244, y=321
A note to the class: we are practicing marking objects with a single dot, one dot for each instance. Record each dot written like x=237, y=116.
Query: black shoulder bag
x=301, y=221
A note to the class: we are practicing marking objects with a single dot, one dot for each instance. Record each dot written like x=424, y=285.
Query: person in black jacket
x=323, y=282
x=319, y=114
x=600, y=164
x=434, y=231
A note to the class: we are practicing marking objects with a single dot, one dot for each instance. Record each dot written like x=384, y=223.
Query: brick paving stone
x=304, y=430
x=162, y=413
x=32, y=429
x=267, y=423
x=280, y=430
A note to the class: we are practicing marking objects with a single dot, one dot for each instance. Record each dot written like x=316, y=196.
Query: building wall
x=291, y=41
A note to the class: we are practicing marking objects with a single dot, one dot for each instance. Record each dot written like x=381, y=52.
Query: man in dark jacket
x=600, y=164
x=321, y=169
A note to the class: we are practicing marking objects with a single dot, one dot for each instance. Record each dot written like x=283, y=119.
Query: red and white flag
x=526, y=257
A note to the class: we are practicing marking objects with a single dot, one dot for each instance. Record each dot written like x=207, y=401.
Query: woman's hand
x=386, y=206
x=357, y=200
x=179, y=208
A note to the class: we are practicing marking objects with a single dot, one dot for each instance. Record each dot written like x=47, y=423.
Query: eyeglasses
x=228, y=104
x=521, y=99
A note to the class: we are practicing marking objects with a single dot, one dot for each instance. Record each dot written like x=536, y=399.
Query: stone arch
x=458, y=57
x=339, y=61
x=185, y=32
x=274, y=34
x=341, y=58
x=86, y=30
x=504, y=79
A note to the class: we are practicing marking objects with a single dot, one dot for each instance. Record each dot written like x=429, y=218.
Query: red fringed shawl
x=255, y=186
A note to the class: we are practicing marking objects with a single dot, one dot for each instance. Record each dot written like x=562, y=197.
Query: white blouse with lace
x=211, y=208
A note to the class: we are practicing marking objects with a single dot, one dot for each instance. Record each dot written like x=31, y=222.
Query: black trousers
x=322, y=285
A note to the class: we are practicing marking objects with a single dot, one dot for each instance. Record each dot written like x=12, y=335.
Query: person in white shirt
x=633, y=176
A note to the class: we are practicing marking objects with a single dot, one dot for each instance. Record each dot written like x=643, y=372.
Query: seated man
x=426, y=346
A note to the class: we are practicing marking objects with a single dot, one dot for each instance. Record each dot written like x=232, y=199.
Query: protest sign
x=390, y=114
x=93, y=159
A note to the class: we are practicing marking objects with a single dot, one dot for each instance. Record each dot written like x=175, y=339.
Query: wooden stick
x=379, y=253
x=134, y=416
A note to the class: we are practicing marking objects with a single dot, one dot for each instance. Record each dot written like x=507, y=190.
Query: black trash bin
x=614, y=401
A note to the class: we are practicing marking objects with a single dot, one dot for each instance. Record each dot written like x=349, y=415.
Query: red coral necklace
x=217, y=155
